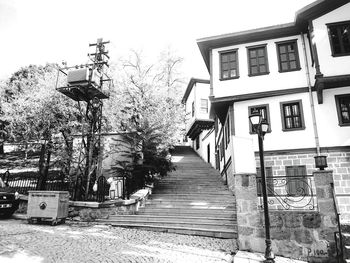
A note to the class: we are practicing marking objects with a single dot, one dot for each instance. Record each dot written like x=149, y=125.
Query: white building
x=298, y=75
x=199, y=126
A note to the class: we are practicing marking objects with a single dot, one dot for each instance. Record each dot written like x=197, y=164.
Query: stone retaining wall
x=296, y=234
x=338, y=160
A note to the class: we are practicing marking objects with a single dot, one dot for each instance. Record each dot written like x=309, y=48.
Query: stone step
x=189, y=188
x=217, y=233
x=184, y=212
x=189, y=206
x=226, y=220
x=193, y=191
x=195, y=196
x=213, y=225
x=193, y=202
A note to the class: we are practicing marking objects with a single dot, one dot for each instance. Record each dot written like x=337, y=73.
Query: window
x=227, y=131
x=197, y=143
x=292, y=115
x=264, y=111
x=269, y=181
x=343, y=109
x=296, y=181
x=288, y=58
x=229, y=65
x=339, y=37
x=204, y=106
x=192, y=108
x=222, y=148
x=257, y=60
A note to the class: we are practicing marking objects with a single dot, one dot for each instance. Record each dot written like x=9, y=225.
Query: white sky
x=40, y=31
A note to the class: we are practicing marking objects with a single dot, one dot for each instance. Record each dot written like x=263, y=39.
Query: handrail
x=337, y=214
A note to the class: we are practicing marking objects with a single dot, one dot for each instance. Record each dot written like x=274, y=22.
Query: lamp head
x=95, y=103
x=259, y=124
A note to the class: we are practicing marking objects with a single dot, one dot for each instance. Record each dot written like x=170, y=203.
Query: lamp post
x=260, y=126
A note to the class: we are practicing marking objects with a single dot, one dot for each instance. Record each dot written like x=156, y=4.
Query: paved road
x=22, y=242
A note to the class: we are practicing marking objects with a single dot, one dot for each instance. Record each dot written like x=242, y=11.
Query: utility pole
x=89, y=85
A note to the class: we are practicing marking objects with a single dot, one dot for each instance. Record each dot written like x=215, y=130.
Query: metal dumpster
x=49, y=206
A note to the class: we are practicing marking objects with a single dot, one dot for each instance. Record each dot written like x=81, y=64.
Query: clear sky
x=40, y=31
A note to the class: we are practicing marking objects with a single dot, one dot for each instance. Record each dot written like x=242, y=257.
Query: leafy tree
x=33, y=108
x=148, y=109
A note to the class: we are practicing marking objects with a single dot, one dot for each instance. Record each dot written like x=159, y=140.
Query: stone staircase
x=192, y=200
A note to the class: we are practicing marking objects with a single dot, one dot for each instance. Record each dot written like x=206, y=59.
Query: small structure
x=88, y=85
x=48, y=206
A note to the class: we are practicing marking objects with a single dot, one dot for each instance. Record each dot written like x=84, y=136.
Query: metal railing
x=338, y=238
x=26, y=181
x=289, y=192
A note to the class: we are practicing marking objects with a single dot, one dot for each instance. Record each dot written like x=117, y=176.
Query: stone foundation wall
x=338, y=160
x=296, y=234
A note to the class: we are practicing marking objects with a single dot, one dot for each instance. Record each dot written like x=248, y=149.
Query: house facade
x=199, y=126
x=297, y=75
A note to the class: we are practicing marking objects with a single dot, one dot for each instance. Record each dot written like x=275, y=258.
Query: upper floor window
x=257, y=60
x=263, y=110
x=288, y=57
x=343, y=109
x=339, y=36
x=229, y=64
x=197, y=143
x=204, y=106
x=292, y=115
x=227, y=131
x=193, y=108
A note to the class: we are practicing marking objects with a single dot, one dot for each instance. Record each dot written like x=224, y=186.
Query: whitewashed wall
x=330, y=133
x=202, y=151
x=330, y=65
x=198, y=92
x=277, y=139
x=272, y=81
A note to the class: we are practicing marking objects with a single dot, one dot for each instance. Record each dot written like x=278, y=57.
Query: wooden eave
x=302, y=18
x=190, y=85
x=198, y=126
x=332, y=82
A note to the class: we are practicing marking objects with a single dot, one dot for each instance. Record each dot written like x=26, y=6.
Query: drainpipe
x=314, y=124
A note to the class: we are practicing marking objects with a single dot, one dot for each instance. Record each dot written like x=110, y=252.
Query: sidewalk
x=248, y=257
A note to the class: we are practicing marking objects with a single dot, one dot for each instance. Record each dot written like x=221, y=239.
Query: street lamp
x=261, y=126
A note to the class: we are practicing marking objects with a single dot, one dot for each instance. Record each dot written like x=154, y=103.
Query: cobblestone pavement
x=23, y=242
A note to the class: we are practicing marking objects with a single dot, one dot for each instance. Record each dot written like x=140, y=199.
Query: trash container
x=49, y=206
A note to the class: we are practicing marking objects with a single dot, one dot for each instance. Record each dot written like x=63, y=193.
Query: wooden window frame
x=264, y=47
x=269, y=181
x=329, y=26
x=337, y=102
x=299, y=182
x=197, y=143
x=193, y=109
x=296, y=54
x=283, y=118
x=267, y=116
x=227, y=131
x=221, y=53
